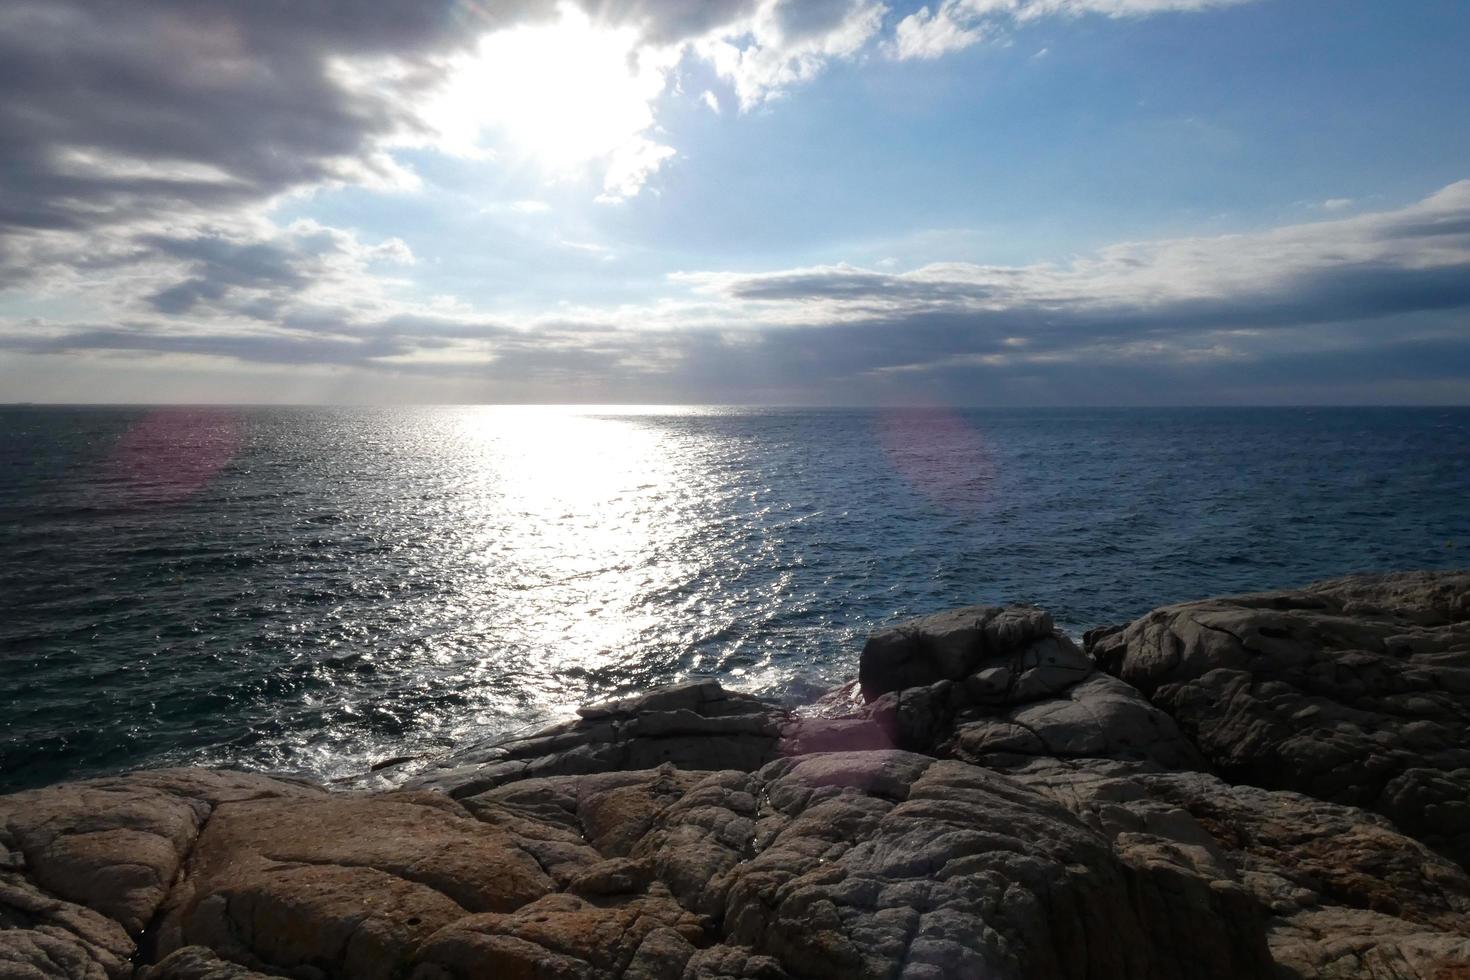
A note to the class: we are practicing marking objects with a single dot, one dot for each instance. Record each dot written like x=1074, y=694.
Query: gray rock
x=1343, y=893
x=1355, y=690
x=948, y=645
x=698, y=726
x=689, y=696
x=892, y=864
x=997, y=683
x=1100, y=717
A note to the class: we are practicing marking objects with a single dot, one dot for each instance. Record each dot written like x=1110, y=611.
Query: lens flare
x=174, y=453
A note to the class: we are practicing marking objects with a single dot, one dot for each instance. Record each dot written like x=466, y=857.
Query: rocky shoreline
x=1274, y=785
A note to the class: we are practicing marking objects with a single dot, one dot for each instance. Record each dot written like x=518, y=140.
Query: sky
x=788, y=202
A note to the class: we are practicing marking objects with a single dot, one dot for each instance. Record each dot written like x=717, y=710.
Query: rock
x=44, y=936
x=732, y=963
x=990, y=684
x=1099, y=717
x=30, y=954
x=1091, y=638
x=1355, y=690
x=981, y=803
x=1343, y=893
x=85, y=866
x=887, y=864
x=197, y=963
x=689, y=696
x=116, y=845
x=563, y=936
x=954, y=644
x=349, y=886
x=698, y=726
x=1354, y=943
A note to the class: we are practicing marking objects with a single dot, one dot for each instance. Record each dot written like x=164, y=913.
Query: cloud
x=786, y=42
x=952, y=25
x=1370, y=265
x=113, y=115
x=630, y=166
x=118, y=119
x=1373, y=300
x=110, y=113
x=926, y=34
x=145, y=147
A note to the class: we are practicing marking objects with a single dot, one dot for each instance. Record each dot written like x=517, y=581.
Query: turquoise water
x=315, y=589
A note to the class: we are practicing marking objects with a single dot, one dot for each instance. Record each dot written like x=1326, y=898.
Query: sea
x=314, y=590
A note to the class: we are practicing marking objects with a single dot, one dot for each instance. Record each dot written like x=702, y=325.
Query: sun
x=561, y=94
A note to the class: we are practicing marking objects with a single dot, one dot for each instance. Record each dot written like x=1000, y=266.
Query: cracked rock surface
x=1355, y=690
x=981, y=803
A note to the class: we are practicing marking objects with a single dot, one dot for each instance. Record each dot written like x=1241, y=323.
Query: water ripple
x=315, y=589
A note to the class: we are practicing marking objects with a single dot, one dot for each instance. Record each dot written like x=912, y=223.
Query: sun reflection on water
x=316, y=589
x=573, y=518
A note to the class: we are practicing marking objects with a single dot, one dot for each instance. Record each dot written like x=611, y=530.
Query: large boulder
x=1342, y=892
x=958, y=643
x=86, y=866
x=991, y=685
x=345, y=886
x=1355, y=690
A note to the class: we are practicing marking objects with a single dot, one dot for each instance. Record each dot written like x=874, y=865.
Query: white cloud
x=590, y=247
x=530, y=207
x=786, y=42
x=711, y=100
x=953, y=25
x=923, y=34
x=629, y=168
x=1325, y=264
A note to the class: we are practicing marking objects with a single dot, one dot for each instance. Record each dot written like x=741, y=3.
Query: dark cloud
x=799, y=20
x=928, y=358
x=846, y=283
x=671, y=21
x=218, y=265
x=113, y=111
x=1372, y=267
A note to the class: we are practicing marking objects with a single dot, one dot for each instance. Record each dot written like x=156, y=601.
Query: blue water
x=315, y=589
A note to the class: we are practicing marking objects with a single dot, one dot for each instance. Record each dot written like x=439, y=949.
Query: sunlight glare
x=561, y=94
x=581, y=486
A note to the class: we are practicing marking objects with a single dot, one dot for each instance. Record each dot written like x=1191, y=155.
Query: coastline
x=1267, y=785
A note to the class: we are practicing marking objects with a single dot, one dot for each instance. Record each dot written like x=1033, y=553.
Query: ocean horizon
x=313, y=589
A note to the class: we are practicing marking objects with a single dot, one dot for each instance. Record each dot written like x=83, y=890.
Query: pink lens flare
x=941, y=455
x=173, y=453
